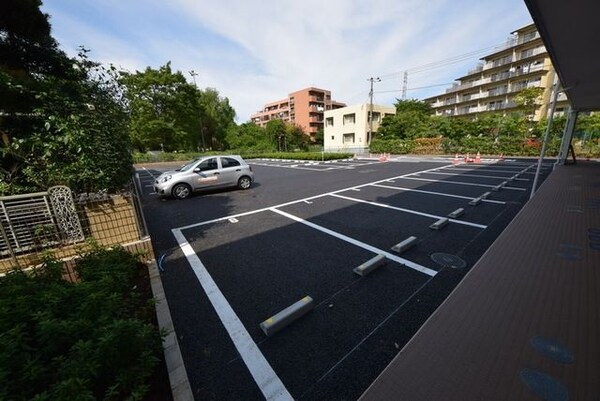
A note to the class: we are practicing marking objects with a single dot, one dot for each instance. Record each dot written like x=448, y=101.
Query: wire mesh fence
x=60, y=222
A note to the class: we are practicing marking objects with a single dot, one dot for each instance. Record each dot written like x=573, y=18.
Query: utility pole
x=370, y=136
x=193, y=74
x=404, y=85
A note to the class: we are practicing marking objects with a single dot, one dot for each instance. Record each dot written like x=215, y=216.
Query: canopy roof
x=570, y=33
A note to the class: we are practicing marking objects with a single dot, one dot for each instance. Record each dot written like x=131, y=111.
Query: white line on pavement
x=265, y=377
x=436, y=193
x=310, y=198
x=353, y=241
x=478, y=176
x=400, y=209
x=462, y=183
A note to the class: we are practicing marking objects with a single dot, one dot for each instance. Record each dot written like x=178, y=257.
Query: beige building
x=303, y=108
x=491, y=86
x=347, y=128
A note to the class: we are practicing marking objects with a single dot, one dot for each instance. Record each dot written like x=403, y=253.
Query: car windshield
x=188, y=166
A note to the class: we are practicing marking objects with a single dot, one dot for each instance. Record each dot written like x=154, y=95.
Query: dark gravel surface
x=263, y=262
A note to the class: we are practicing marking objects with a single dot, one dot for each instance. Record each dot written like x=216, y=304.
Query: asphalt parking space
x=314, y=165
x=438, y=204
x=348, y=306
x=234, y=258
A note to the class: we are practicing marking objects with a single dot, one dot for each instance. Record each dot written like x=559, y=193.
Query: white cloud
x=255, y=52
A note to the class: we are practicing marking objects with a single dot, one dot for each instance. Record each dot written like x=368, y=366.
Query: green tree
x=412, y=120
x=217, y=116
x=528, y=100
x=164, y=109
x=296, y=138
x=413, y=105
x=320, y=137
x=61, y=119
x=276, y=133
x=248, y=136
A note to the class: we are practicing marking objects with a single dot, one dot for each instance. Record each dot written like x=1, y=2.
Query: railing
x=57, y=221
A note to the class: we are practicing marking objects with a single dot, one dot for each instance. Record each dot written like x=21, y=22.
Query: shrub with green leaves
x=91, y=340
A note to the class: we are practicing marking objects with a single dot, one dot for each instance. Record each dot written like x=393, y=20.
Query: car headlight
x=164, y=179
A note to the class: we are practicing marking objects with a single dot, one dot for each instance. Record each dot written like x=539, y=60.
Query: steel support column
x=555, y=92
x=567, y=137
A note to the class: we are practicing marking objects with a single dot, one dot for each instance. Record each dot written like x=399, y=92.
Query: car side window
x=229, y=162
x=208, y=164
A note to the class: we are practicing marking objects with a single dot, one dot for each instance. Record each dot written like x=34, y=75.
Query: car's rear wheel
x=181, y=191
x=244, y=182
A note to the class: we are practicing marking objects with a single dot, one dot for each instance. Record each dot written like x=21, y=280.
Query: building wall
x=304, y=108
x=347, y=128
x=493, y=83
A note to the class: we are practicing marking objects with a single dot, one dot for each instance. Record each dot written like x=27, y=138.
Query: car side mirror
x=197, y=170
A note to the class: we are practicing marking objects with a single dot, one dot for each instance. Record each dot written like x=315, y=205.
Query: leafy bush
x=91, y=340
x=394, y=146
x=246, y=153
x=298, y=155
x=428, y=146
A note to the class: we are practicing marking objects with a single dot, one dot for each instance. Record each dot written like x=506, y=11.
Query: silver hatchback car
x=205, y=172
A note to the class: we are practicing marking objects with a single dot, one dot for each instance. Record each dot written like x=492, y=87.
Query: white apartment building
x=347, y=128
x=491, y=86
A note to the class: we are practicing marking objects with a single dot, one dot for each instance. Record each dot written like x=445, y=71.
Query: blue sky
x=254, y=52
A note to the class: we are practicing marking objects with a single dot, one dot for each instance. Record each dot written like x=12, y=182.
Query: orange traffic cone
x=478, y=158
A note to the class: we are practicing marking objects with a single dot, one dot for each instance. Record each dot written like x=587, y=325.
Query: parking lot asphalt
x=231, y=259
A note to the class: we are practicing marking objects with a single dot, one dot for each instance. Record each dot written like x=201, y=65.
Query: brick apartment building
x=304, y=108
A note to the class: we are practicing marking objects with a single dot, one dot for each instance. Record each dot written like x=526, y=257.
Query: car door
x=207, y=174
x=230, y=170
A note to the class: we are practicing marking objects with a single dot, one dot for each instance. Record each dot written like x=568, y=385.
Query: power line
x=415, y=88
x=443, y=62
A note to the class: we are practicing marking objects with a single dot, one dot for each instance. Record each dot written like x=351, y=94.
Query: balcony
x=533, y=53
x=497, y=92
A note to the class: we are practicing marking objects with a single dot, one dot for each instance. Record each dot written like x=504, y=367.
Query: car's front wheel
x=244, y=182
x=181, y=191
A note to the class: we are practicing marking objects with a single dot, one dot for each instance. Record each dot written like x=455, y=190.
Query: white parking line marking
x=368, y=247
x=202, y=223
x=462, y=183
x=296, y=167
x=485, y=170
x=400, y=209
x=480, y=176
x=265, y=377
x=436, y=193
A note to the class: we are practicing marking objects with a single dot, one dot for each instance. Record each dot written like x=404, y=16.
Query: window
x=529, y=36
x=349, y=118
x=229, y=162
x=329, y=121
x=333, y=137
x=348, y=138
x=527, y=53
x=208, y=164
x=376, y=116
